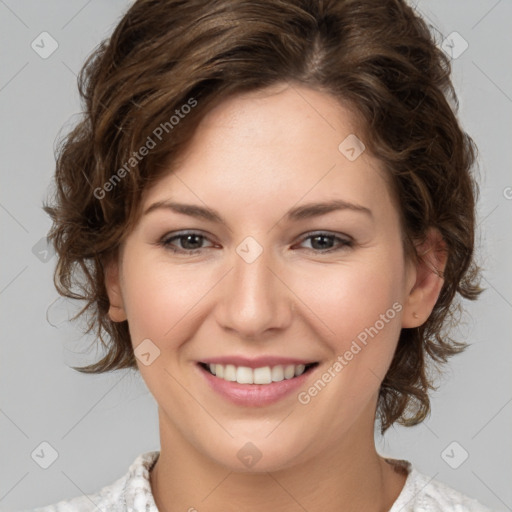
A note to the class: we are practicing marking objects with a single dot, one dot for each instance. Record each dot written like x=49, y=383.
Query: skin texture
x=252, y=159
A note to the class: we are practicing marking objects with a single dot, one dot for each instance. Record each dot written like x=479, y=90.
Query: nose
x=254, y=298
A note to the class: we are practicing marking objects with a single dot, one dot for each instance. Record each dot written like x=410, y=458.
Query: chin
x=258, y=455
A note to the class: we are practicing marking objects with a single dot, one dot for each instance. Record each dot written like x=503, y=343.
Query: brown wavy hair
x=377, y=56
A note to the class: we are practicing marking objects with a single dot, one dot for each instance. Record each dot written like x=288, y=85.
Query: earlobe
x=116, y=310
x=428, y=280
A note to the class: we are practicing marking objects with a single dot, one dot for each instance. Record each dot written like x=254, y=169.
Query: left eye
x=320, y=240
x=191, y=243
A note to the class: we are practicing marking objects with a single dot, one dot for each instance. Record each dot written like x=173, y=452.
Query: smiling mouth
x=262, y=375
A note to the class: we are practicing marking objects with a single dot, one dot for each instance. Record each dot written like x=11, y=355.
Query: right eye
x=190, y=242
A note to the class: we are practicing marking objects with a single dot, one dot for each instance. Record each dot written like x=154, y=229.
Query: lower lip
x=255, y=395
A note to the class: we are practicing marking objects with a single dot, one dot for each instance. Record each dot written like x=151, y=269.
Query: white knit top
x=132, y=493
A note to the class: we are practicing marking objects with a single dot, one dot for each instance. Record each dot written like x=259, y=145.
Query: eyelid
x=318, y=232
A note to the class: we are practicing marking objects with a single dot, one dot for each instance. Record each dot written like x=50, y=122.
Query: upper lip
x=257, y=362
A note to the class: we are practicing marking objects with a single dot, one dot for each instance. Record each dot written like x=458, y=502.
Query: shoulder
x=130, y=492
x=422, y=493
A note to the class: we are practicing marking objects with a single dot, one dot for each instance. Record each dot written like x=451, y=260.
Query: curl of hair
x=376, y=56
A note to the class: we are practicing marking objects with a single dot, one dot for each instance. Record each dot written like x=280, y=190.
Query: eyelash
x=166, y=242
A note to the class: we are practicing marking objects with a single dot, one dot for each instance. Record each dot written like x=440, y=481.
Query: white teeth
x=299, y=369
x=244, y=375
x=229, y=372
x=289, y=371
x=277, y=374
x=262, y=375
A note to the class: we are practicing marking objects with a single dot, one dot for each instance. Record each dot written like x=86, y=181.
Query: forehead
x=277, y=145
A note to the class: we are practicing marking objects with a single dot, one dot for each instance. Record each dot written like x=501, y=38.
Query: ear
x=116, y=310
x=425, y=279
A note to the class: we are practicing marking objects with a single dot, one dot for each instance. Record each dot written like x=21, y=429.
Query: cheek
x=356, y=310
x=159, y=300
x=353, y=296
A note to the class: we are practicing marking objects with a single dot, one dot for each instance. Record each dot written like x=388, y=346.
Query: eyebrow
x=306, y=211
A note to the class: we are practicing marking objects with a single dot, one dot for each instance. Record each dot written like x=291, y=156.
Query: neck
x=349, y=478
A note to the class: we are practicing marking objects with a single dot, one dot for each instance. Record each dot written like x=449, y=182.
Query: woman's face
x=263, y=270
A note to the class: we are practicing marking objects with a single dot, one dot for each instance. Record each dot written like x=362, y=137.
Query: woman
x=269, y=208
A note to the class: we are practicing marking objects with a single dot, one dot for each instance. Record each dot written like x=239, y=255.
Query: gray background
x=99, y=424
